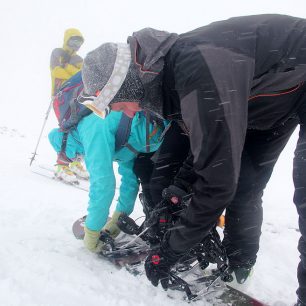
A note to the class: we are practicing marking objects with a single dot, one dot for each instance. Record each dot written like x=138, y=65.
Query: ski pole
x=42, y=129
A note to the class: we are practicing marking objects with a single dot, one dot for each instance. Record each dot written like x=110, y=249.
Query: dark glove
x=158, y=265
x=174, y=194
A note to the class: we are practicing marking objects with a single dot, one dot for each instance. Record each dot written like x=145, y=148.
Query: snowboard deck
x=129, y=257
x=78, y=228
x=132, y=258
x=221, y=293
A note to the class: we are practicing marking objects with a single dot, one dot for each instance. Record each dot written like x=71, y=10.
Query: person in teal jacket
x=95, y=139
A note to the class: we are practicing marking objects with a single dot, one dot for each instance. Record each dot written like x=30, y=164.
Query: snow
x=41, y=262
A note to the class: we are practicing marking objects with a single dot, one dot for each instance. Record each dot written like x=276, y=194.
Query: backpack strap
x=147, y=115
x=131, y=148
x=124, y=130
x=64, y=143
x=73, y=111
x=123, y=133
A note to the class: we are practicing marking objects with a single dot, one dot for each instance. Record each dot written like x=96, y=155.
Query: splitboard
x=206, y=288
x=121, y=254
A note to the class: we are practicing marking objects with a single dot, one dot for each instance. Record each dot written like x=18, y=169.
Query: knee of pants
x=55, y=139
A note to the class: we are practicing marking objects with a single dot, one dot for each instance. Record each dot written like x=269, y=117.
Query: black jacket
x=212, y=76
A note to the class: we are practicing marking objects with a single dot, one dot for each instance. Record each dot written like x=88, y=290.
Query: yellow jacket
x=65, y=62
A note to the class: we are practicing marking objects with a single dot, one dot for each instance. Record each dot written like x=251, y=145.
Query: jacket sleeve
x=186, y=176
x=79, y=65
x=60, y=73
x=128, y=188
x=57, y=63
x=71, y=69
x=99, y=145
x=214, y=109
x=76, y=61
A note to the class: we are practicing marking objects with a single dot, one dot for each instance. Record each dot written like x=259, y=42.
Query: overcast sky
x=30, y=29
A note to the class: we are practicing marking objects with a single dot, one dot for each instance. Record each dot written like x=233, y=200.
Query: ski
x=48, y=172
x=48, y=168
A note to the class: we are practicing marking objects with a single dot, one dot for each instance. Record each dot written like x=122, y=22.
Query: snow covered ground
x=41, y=264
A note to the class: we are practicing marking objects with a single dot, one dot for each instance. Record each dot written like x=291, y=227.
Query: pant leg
x=74, y=146
x=143, y=167
x=168, y=160
x=244, y=214
x=299, y=179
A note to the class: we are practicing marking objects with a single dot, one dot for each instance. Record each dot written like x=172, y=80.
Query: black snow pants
x=143, y=167
x=244, y=214
x=168, y=159
x=156, y=171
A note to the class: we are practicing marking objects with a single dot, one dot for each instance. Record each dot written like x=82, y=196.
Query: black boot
x=242, y=271
x=242, y=274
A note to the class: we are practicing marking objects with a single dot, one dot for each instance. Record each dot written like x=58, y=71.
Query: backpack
x=67, y=110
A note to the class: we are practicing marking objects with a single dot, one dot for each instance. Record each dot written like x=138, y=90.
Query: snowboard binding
x=109, y=244
x=210, y=251
x=186, y=275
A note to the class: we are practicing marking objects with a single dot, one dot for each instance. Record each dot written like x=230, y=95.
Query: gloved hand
x=174, y=194
x=158, y=265
x=111, y=226
x=91, y=240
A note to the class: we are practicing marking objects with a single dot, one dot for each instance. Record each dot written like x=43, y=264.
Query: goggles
x=99, y=103
x=88, y=101
x=75, y=42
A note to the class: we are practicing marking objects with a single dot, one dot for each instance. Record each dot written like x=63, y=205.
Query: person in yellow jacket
x=65, y=62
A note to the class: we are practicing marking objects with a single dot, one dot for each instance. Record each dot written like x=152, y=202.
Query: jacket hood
x=148, y=50
x=68, y=34
x=149, y=47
